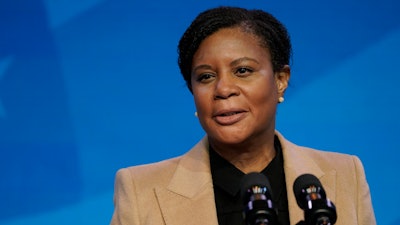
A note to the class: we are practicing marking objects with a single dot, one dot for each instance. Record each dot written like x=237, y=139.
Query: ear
x=282, y=80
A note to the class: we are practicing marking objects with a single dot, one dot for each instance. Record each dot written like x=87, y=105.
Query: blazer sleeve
x=365, y=210
x=125, y=208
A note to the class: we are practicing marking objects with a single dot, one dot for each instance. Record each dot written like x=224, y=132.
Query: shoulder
x=152, y=174
x=324, y=155
x=346, y=165
x=160, y=173
x=328, y=157
x=134, y=187
x=326, y=160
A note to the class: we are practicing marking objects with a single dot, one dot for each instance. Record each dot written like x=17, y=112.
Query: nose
x=226, y=87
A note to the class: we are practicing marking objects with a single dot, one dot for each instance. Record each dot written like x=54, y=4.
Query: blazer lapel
x=296, y=163
x=189, y=197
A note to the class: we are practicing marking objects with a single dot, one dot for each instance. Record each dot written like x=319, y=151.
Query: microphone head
x=251, y=181
x=257, y=199
x=311, y=197
x=307, y=187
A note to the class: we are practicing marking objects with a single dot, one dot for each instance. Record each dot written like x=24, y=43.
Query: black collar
x=227, y=177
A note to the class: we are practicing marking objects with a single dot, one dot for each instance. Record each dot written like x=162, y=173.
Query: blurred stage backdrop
x=87, y=87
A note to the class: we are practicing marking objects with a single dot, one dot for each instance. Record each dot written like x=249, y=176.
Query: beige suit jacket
x=179, y=191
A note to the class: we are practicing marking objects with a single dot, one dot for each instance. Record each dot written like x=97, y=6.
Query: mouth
x=230, y=117
x=229, y=114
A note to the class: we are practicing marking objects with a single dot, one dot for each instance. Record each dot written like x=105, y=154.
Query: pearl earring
x=281, y=99
x=195, y=114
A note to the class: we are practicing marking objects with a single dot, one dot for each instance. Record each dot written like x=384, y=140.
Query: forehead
x=228, y=40
x=238, y=30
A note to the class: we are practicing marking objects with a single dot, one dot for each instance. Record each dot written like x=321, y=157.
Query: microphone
x=256, y=195
x=311, y=197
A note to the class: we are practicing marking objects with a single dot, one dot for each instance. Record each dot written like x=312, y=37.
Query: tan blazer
x=179, y=191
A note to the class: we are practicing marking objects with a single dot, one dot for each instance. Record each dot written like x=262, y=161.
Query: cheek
x=201, y=100
x=265, y=96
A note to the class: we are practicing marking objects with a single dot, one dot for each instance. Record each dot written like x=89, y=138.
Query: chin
x=227, y=139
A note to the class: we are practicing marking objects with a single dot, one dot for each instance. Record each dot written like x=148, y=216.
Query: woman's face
x=235, y=89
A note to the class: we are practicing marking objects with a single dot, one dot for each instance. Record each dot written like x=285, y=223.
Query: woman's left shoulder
x=327, y=158
x=328, y=155
x=334, y=160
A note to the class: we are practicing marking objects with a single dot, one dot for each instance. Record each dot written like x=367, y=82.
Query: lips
x=229, y=114
x=229, y=117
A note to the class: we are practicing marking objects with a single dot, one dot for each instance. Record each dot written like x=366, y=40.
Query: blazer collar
x=296, y=163
x=191, y=186
x=191, y=189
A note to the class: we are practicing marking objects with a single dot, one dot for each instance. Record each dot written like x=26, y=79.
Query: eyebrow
x=203, y=66
x=238, y=61
x=233, y=63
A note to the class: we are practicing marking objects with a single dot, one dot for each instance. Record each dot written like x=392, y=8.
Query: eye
x=243, y=71
x=205, y=77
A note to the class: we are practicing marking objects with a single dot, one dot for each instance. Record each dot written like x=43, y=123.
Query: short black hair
x=272, y=34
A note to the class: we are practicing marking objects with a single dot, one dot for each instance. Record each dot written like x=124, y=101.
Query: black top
x=227, y=178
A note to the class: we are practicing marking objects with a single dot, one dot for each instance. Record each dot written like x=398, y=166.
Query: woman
x=236, y=64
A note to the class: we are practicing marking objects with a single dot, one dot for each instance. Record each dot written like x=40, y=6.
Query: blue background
x=87, y=87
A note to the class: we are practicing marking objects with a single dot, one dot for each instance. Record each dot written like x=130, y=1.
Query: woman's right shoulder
x=145, y=173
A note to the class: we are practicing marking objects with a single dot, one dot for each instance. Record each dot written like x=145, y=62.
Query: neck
x=247, y=158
